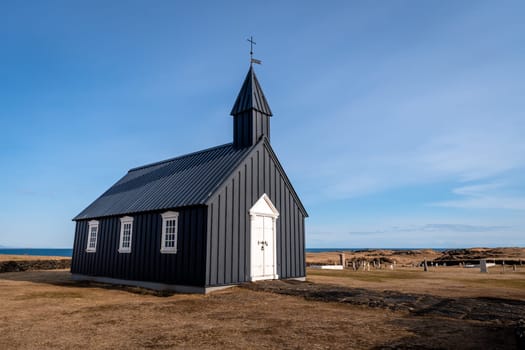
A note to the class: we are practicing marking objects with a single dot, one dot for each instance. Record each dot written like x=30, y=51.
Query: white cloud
x=439, y=228
x=460, y=157
x=417, y=118
x=477, y=190
x=485, y=196
x=474, y=155
x=485, y=202
x=441, y=234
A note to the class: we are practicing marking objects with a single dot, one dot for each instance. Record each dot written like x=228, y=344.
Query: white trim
x=266, y=199
x=260, y=209
x=169, y=215
x=93, y=224
x=123, y=221
x=263, y=278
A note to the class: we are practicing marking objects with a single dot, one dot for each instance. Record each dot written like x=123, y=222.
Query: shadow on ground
x=434, y=321
x=63, y=278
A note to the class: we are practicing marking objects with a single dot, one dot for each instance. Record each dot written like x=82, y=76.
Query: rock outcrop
x=25, y=265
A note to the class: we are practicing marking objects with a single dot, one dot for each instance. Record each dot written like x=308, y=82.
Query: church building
x=201, y=221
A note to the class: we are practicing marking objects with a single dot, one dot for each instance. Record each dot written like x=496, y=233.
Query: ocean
x=38, y=251
x=69, y=252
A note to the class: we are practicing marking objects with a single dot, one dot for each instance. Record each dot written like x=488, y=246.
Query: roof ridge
x=179, y=157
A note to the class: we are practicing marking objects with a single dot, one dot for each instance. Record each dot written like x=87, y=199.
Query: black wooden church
x=204, y=220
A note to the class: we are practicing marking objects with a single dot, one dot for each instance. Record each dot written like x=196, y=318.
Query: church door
x=263, y=238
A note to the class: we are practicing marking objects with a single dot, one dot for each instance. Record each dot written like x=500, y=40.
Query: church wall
x=145, y=262
x=228, y=240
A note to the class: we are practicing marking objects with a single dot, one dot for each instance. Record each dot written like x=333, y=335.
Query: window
x=126, y=232
x=92, y=236
x=169, y=232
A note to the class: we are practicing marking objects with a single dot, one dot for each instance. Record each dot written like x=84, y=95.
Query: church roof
x=251, y=96
x=177, y=182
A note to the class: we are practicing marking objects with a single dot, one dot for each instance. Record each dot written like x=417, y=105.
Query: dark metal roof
x=251, y=96
x=177, y=182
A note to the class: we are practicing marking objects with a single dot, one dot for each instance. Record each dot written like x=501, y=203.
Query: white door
x=267, y=247
x=263, y=232
x=257, y=246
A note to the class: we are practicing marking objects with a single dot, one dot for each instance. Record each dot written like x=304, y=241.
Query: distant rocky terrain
x=510, y=256
x=15, y=265
x=498, y=255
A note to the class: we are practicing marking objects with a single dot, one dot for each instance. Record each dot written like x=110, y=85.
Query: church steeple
x=251, y=113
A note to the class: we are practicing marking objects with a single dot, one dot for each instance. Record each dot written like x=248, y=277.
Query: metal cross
x=251, y=46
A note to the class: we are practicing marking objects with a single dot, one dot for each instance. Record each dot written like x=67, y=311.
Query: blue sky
x=400, y=123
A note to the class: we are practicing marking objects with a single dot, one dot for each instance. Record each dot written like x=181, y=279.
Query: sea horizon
x=68, y=252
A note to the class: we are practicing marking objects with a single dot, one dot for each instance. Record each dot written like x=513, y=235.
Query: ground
x=445, y=308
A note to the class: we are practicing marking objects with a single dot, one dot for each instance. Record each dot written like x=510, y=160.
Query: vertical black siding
x=229, y=236
x=145, y=262
x=221, y=214
x=249, y=126
x=242, y=222
x=235, y=223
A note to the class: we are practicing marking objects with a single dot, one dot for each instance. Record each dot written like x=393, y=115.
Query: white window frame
x=167, y=216
x=123, y=222
x=93, y=224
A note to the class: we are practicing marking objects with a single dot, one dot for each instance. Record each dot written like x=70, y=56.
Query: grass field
x=444, y=281
x=46, y=310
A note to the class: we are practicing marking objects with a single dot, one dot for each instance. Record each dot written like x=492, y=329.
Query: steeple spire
x=251, y=96
x=251, y=113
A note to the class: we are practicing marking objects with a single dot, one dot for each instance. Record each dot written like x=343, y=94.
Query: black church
x=199, y=222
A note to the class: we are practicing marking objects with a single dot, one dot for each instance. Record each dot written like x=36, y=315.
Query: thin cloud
x=485, y=202
x=434, y=228
x=477, y=190
x=484, y=196
x=462, y=228
x=367, y=233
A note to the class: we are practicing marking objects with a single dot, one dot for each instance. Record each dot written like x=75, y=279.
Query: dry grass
x=401, y=258
x=46, y=310
x=443, y=281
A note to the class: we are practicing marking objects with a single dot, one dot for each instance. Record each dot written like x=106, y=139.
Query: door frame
x=265, y=208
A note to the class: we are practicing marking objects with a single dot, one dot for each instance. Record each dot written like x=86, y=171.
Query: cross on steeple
x=251, y=46
x=252, y=60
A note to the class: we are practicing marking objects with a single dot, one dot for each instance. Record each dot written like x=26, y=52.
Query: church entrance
x=263, y=217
